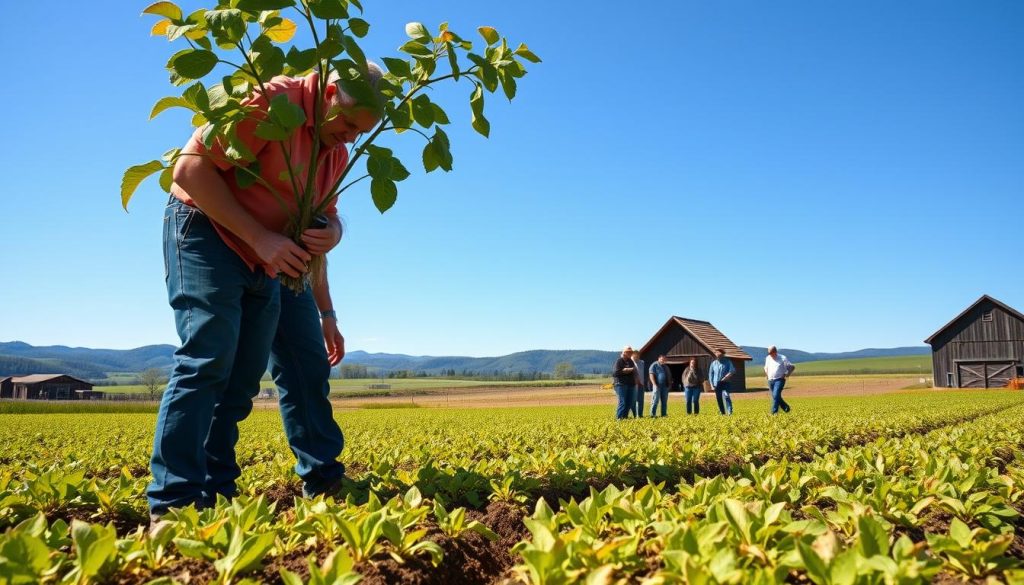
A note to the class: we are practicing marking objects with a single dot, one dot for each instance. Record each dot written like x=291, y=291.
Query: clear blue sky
x=824, y=176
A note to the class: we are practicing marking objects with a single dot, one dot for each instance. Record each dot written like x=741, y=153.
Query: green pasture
x=909, y=364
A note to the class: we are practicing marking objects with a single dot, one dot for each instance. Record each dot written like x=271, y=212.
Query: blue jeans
x=225, y=315
x=624, y=392
x=775, y=389
x=723, y=398
x=692, y=395
x=639, y=395
x=298, y=362
x=659, y=396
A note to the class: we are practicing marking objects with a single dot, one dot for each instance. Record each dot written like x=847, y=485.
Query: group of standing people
x=631, y=379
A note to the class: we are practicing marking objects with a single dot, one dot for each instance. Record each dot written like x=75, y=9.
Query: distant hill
x=19, y=366
x=795, y=355
x=17, y=358
x=586, y=361
x=107, y=360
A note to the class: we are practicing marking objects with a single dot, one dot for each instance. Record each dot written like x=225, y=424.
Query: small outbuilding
x=983, y=347
x=680, y=339
x=52, y=387
x=6, y=387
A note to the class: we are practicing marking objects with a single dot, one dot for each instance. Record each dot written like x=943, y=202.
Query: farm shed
x=6, y=387
x=52, y=387
x=680, y=339
x=983, y=347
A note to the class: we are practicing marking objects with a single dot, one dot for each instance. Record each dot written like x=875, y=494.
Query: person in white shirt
x=777, y=368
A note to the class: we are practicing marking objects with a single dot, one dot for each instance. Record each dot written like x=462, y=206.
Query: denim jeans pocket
x=183, y=218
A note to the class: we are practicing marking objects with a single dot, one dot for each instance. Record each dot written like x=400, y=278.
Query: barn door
x=998, y=375
x=971, y=375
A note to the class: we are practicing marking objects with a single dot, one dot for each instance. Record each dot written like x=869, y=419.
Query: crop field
x=889, y=488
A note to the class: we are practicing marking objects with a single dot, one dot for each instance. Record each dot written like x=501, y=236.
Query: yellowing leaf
x=282, y=32
x=160, y=29
x=166, y=9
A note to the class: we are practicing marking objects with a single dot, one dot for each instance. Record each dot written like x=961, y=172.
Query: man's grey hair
x=374, y=74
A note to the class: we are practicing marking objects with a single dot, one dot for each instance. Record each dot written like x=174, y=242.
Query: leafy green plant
x=975, y=553
x=95, y=550
x=239, y=44
x=336, y=570
x=454, y=523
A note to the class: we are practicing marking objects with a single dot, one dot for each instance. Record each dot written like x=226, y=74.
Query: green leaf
x=443, y=147
x=422, y=111
x=817, y=570
x=398, y=170
x=166, y=179
x=267, y=57
x=283, y=117
x=300, y=61
x=289, y=578
x=485, y=72
x=384, y=192
x=431, y=157
x=874, y=539
x=453, y=60
x=398, y=67
x=476, y=103
x=378, y=167
x=253, y=551
x=329, y=9
x=355, y=52
x=227, y=25
x=94, y=546
x=843, y=570
x=359, y=27
x=960, y=532
x=135, y=175
x=261, y=5
x=246, y=176
x=401, y=118
x=415, y=48
x=193, y=63
x=523, y=51
x=167, y=9
x=440, y=117
x=489, y=34
x=417, y=32
x=508, y=84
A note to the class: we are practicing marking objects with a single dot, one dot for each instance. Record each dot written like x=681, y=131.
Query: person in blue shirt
x=661, y=382
x=719, y=374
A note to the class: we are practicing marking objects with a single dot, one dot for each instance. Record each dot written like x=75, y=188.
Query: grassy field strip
x=945, y=506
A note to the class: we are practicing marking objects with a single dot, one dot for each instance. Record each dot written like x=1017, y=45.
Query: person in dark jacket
x=693, y=379
x=624, y=381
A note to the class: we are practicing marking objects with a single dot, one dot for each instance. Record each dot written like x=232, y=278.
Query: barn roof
x=705, y=333
x=983, y=298
x=37, y=378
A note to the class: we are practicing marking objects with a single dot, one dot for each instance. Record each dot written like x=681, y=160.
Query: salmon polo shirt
x=256, y=199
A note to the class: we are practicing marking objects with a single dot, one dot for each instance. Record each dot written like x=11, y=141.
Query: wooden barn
x=983, y=347
x=51, y=387
x=680, y=339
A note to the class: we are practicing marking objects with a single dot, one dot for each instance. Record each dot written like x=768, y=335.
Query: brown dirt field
x=596, y=394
